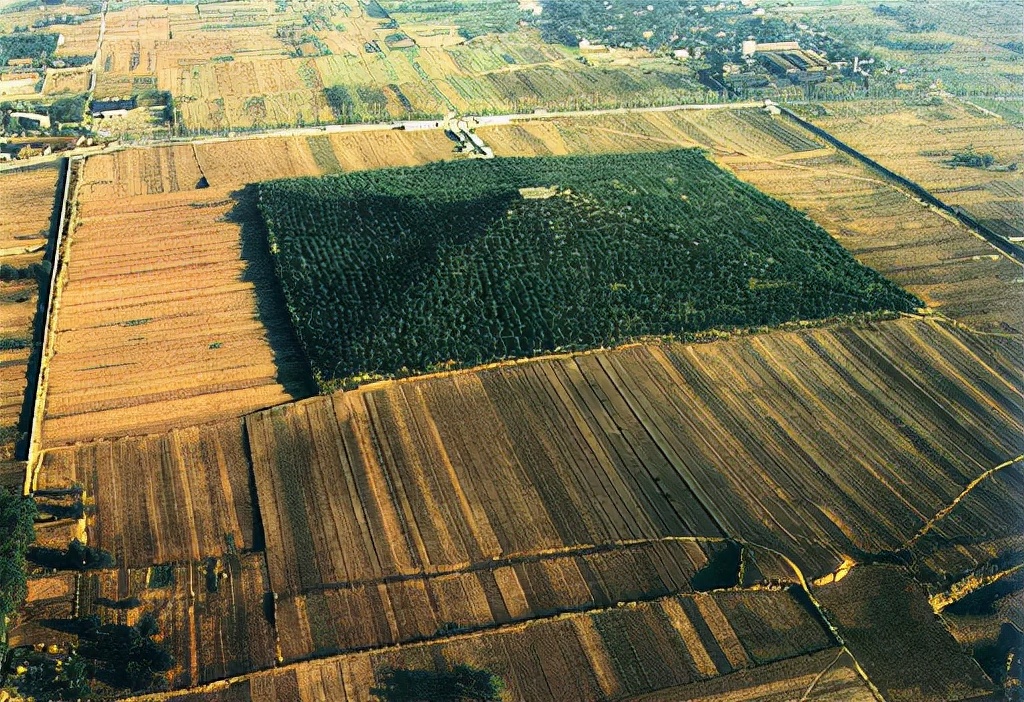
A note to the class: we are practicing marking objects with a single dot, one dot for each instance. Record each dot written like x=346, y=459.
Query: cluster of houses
x=30, y=147
x=24, y=147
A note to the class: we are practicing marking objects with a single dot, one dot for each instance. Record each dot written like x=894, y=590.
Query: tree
x=68, y=109
x=462, y=683
x=77, y=556
x=125, y=657
x=55, y=678
x=17, y=517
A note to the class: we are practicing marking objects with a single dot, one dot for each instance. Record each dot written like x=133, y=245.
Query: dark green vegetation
x=38, y=271
x=77, y=556
x=340, y=102
x=69, y=109
x=109, y=658
x=63, y=677
x=17, y=516
x=462, y=682
x=400, y=270
x=971, y=159
x=722, y=569
x=31, y=46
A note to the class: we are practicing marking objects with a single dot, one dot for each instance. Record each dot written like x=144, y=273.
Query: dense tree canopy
x=400, y=270
x=17, y=516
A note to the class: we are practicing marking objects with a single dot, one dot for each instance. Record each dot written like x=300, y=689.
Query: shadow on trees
x=77, y=556
x=722, y=569
x=461, y=683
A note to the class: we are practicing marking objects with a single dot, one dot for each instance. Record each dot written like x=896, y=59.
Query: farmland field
x=244, y=65
x=371, y=613
x=157, y=331
x=596, y=655
x=49, y=598
x=670, y=399
x=166, y=498
x=466, y=263
x=74, y=80
x=211, y=613
x=919, y=142
x=904, y=648
x=556, y=520
x=648, y=428
x=981, y=527
x=827, y=675
x=216, y=359
x=28, y=200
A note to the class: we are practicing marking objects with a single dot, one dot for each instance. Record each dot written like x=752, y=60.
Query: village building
x=103, y=109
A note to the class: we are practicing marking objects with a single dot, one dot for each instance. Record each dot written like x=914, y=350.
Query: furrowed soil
x=920, y=141
x=157, y=324
x=415, y=492
x=597, y=655
x=904, y=648
x=27, y=198
x=212, y=614
x=595, y=480
x=167, y=312
x=175, y=497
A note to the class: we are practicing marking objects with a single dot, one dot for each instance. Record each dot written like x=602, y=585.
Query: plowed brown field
x=26, y=208
x=156, y=324
x=826, y=676
x=543, y=519
x=600, y=655
x=917, y=141
x=175, y=497
x=211, y=616
x=748, y=438
x=888, y=625
x=374, y=613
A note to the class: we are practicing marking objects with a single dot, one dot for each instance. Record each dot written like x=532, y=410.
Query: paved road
x=411, y=125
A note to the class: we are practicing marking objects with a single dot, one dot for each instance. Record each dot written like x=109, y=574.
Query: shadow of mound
x=293, y=369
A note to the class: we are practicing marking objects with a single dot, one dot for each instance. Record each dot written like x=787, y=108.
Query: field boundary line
x=941, y=514
x=967, y=586
x=820, y=171
x=227, y=682
x=708, y=336
x=72, y=166
x=636, y=135
x=968, y=328
x=529, y=557
x=819, y=676
x=483, y=121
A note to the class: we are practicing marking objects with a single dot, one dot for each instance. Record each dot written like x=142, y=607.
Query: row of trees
x=404, y=269
x=108, y=658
